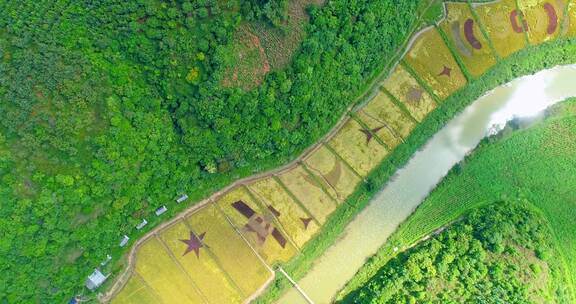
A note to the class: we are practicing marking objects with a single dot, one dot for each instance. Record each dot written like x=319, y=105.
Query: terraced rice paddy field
x=406, y=90
x=570, y=23
x=333, y=171
x=432, y=61
x=385, y=111
x=504, y=25
x=466, y=38
x=308, y=193
x=297, y=221
x=225, y=251
x=542, y=18
x=358, y=147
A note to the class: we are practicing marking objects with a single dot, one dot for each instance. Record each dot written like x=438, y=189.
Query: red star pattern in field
x=194, y=243
x=445, y=71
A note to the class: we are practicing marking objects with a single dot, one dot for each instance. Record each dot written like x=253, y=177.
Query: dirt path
x=371, y=89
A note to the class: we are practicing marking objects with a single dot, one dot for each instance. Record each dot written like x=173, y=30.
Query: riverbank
x=533, y=164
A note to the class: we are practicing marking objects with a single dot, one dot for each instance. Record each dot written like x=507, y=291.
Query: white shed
x=95, y=279
x=182, y=198
x=161, y=210
x=124, y=241
x=142, y=224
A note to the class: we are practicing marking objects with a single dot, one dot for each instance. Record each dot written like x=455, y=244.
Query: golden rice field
x=387, y=112
x=203, y=269
x=297, y=222
x=431, y=59
x=223, y=252
x=135, y=291
x=570, y=23
x=164, y=276
x=308, y=192
x=543, y=18
x=322, y=182
x=257, y=229
x=406, y=89
x=380, y=130
x=504, y=24
x=467, y=39
x=336, y=174
x=356, y=147
x=234, y=255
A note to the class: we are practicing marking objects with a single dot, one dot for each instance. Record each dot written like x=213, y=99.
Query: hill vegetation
x=112, y=108
x=497, y=254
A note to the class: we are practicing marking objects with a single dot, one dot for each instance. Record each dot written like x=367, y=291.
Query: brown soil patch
x=275, y=46
x=251, y=64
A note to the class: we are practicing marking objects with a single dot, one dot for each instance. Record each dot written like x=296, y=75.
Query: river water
x=523, y=97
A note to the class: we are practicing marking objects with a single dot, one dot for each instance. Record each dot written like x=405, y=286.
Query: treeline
x=501, y=253
x=111, y=108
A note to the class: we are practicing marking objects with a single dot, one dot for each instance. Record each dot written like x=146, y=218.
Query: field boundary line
x=181, y=267
x=216, y=260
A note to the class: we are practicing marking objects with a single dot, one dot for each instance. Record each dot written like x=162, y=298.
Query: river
x=523, y=97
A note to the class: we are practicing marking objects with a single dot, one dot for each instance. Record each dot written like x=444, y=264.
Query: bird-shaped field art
x=369, y=133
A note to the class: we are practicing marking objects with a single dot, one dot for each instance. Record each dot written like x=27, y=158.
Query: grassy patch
x=259, y=47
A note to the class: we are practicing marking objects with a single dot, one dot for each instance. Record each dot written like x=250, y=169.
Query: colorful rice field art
x=357, y=147
x=543, y=18
x=298, y=223
x=378, y=129
x=467, y=39
x=431, y=59
x=504, y=24
x=307, y=192
x=228, y=249
x=386, y=112
x=406, y=89
x=201, y=259
x=258, y=225
x=187, y=247
x=333, y=172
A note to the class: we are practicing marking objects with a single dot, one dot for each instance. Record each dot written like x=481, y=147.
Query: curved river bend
x=523, y=97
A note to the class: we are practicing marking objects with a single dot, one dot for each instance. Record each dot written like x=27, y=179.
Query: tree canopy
x=111, y=108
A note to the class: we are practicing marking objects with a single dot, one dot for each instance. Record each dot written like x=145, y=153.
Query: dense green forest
x=501, y=253
x=112, y=108
x=531, y=162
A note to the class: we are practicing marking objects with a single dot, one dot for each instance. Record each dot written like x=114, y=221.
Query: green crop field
x=536, y=164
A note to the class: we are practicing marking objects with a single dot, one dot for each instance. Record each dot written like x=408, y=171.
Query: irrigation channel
x=523, y=97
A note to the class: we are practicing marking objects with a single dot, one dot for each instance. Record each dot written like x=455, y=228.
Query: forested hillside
x=111, y=108
x=498, y=254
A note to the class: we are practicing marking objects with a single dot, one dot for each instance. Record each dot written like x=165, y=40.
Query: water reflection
x=523, y=97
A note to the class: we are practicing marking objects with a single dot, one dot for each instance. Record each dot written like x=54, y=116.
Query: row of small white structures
x=97, y=278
